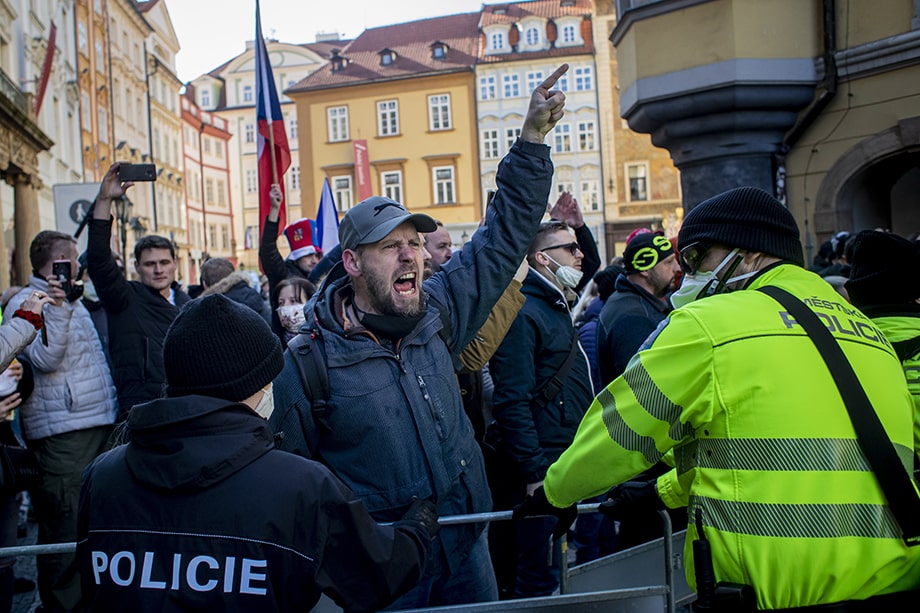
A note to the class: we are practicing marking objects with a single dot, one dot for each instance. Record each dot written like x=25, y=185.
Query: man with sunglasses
x=768, y=461
x=542, y=389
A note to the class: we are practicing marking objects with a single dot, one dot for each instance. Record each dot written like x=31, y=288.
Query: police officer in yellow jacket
x=763, y=444
x=885, y=285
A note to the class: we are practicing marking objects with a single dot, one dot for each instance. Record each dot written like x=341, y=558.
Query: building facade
x=815, y=101
x=209, y=210
x=393, y=114
x=520, y=45
x=229, y=91
x=38, y=147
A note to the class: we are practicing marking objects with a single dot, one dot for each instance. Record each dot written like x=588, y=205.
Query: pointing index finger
x=551, y=79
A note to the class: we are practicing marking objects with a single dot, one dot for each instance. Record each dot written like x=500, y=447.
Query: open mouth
x=406, y=285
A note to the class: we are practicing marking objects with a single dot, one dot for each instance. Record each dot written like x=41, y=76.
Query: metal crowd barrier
x=618, y=582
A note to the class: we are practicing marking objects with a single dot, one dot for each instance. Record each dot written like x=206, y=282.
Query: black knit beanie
x=219, y=348
x=645, y=251
x=745, y=217
x=606, y=280
x=884, y=269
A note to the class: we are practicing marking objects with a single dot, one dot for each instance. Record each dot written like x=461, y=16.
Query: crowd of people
x=221, y=447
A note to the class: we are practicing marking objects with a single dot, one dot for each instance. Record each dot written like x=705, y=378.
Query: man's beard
x=381, y=298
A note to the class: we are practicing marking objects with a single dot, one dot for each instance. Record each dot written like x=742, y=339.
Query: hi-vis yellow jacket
x=762, y=441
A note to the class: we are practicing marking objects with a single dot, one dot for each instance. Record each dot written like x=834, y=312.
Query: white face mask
x=566, y=276
x=291, y=316
x=702, y=284
x=266, y=405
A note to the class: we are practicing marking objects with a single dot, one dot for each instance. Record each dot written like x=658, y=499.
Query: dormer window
x=500, y=10
x=338, y=62
x=565, y=3
x=439, y=51
x=387, y=57
x=497, y=41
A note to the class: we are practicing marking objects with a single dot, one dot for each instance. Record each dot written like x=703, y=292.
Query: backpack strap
x=552, y=387
x=907, y=348
x=310, y=359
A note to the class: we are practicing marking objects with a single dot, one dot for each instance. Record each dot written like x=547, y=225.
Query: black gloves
x=423, y=513
x=632, y=499
x=536, y=505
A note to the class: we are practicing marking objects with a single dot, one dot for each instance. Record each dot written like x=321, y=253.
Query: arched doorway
x=874, y=185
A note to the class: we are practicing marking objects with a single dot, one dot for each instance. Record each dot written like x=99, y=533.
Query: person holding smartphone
x=68, y=418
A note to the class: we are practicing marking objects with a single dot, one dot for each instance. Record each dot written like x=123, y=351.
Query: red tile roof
x=412, y=43
x=512, y=12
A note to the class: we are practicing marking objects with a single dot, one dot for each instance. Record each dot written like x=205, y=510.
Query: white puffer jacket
x=73, y=385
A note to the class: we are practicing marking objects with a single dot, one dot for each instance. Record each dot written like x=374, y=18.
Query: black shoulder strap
x=310, y=358
x=893, y=478
x=555, y=385
x=907, y=348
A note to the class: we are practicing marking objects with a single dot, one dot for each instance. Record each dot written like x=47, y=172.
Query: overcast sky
x=213, y=31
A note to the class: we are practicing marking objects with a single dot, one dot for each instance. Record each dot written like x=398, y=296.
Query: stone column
x=26, y=223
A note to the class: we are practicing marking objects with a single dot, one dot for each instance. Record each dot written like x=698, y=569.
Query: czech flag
x=327, y=219
x=273, y=149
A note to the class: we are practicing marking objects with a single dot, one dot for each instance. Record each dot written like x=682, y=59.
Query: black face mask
x=391, y=327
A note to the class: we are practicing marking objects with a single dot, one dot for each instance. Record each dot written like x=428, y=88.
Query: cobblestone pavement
x=25, y=568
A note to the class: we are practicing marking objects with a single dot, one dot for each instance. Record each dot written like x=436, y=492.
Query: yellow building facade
x=407, y=92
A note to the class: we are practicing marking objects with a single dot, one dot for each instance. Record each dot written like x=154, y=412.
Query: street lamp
x=123, y=208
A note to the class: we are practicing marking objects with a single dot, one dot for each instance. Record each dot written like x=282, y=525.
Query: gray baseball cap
x=371, y=220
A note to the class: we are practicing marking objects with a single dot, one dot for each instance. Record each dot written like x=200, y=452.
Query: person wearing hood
x=199, y=511
x=542, y=389
x=219, y=276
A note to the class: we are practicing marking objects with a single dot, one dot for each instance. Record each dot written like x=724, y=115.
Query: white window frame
x=444, y=189
x=511, y=86
x=295, y=177
x=511, y=135
x=641, y=177
x=87, y=113
x=534, y=78
x=209, y=191
x=252, y=180
x=569, y=34
x=564, y=186
x=388, y=118
x=489, y=143
x=103, y=117
x=584, y=79
x=342, y=192
x=487, y=88
x=292, y=128
x=205, y=97
x=587, y=136
x=337, y=123
x=249, y=133
x=562, y=138
x=248, y=93
x=439, y=112
x=590, y=199
x=392, y=189
x=497, y=41
x=532, y=36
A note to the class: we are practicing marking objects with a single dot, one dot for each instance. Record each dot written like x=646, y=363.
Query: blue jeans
x=474, y=582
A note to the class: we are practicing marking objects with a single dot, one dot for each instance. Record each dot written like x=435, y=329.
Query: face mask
x=266, y=405
x=291, y=317
x=701, y=284
x=566, y=276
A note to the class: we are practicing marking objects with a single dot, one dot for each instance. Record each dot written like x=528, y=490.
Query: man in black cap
x=767, y=457
x=200, y=512
x=885, y=285
x=391, y=423
x=638, y=305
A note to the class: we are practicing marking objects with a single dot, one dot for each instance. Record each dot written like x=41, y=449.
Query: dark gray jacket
x=398, y=428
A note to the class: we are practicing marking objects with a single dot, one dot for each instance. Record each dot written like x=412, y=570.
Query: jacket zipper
x=434, y=413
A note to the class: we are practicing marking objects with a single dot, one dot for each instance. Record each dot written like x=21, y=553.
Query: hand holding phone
x=61, y=270
x=136, y=172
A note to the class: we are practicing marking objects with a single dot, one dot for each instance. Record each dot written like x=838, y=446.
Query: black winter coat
x=138, y=318
x=199, y=512
x=629, y=316
x=535, y=431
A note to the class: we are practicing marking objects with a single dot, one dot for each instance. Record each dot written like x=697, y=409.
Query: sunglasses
x=572, y=247
x=692, y=256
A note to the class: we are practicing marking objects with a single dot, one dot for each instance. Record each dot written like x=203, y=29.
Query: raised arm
x=472, y=280
x=269, y=256
x=108, y=280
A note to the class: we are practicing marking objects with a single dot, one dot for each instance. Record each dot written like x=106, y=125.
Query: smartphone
x=60, y=269
x=137, y=172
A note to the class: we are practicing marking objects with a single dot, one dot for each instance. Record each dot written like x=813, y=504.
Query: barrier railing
x=559, y=546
